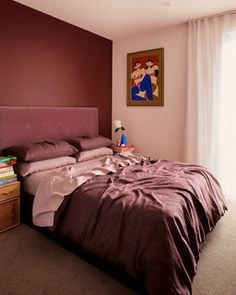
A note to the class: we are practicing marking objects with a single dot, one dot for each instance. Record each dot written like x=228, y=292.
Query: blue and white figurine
x=118, y=127
x=123, y=139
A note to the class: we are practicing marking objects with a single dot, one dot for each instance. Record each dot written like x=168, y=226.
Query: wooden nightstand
x=9, y=205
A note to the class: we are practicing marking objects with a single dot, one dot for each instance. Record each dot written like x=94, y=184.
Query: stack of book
x=7, y=174
x=120, y=149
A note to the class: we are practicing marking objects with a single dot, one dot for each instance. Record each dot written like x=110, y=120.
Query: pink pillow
x=86, y=143
x=93, y=154
x=30, y=152
x=25, y=169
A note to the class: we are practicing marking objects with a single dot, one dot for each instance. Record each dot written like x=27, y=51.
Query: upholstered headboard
x=34, y=124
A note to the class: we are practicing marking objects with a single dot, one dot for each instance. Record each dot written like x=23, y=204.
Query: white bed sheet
x=50, y=187
x=32, y=181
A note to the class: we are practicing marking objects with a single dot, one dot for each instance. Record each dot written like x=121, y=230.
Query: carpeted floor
x=32, y=264
x=216, y=273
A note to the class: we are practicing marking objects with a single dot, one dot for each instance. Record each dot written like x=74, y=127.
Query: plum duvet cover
x=149, y=219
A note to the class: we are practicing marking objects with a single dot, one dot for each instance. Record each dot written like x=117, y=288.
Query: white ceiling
x=115, y=19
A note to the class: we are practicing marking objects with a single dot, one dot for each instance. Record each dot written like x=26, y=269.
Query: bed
x=149, y=219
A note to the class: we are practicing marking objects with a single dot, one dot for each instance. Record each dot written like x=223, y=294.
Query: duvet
x=149, y=219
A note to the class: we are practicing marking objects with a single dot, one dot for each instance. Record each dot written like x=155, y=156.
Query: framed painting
x=145, y=78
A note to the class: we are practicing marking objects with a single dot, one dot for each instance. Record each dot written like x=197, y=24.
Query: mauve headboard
x=34, y=124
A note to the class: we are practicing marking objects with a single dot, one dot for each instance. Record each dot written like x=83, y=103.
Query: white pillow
x=93, y=154
x=25, y=169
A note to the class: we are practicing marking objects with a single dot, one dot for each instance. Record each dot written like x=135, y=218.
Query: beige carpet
x=216, y=273
x=31, y=264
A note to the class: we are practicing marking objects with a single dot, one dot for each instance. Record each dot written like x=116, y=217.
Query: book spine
x=6, y=169
x=5, y=174
x=7, y=177
x=6, y=181
x=7, y=164
x=7, y=159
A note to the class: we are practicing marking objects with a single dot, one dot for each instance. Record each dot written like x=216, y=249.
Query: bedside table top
x=121, y=149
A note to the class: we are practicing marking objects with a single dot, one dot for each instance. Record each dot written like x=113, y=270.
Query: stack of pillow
x=36, y=157
x=91, y=148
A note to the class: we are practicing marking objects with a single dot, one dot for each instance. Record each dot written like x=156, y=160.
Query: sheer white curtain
x=227, y=129
x=209, y=103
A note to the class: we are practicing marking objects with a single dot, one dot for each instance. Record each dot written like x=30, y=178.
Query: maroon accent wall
x=47, y=62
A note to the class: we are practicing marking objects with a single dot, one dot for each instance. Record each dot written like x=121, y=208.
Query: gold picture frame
x=145, y=78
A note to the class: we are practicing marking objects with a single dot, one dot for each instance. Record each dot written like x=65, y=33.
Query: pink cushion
x=41, y=151
x=93, y=154
x=25, y=169
x=86, y=144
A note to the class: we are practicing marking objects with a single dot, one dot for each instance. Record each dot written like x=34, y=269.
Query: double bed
x=147, y=218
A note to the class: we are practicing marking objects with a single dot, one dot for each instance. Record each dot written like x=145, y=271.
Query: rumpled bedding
x=57, y=184
x=149, y=219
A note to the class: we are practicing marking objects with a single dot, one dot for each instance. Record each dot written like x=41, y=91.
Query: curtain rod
x=213, y=15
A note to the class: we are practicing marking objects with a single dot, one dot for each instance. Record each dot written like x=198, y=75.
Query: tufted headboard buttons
x=20, y=125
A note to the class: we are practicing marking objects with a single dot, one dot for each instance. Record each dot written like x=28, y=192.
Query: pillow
x=86, y=144
x=31, y=152
x=93, y=154
x=25, y=169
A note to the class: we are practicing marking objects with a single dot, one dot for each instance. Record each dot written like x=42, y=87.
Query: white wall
x=155, y=131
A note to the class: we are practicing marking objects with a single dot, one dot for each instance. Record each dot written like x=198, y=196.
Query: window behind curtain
x=227, y=116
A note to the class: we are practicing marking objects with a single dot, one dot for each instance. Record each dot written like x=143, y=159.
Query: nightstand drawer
x=9, y=214
x=9, y=191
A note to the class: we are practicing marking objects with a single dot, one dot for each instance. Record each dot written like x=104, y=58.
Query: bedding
x=150, y=219
x=57, y=184
x=90, y=143
x=25, y=169
x=31, y=152
x=32, y=181
x=54, y=188
x=93, y=154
